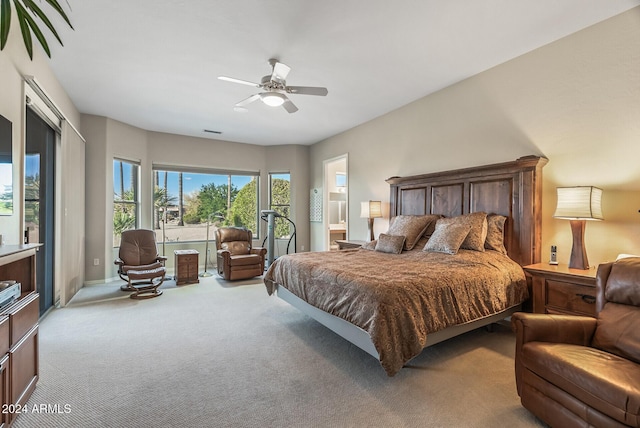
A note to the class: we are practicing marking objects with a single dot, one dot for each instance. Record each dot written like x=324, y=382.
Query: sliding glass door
x=39, y=189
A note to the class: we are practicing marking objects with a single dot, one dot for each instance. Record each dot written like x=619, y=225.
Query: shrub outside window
x=280, y=202
x=126, y=196
x=186, y=201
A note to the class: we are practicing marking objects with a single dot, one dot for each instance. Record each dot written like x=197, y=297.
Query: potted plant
x=26, y=12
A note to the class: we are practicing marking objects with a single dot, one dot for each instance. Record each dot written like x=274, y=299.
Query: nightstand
x=344, y=244
x=557, y=289
x=186, y=267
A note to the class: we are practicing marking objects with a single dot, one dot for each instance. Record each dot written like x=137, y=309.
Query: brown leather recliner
x=576, y=371
x=237, y=258
x=140, y=264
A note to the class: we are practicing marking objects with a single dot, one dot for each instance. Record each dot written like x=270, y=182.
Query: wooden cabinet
x=19, y=370
x=186, y=266
x=343, y=244
x=5, y=417
x=23, y=368
x=23, y=353
x=557, y=289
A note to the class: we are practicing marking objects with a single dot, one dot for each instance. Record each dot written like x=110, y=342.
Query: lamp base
x=370, y=229
x=578, y=258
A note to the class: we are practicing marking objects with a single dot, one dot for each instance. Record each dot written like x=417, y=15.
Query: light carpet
x=219, y=354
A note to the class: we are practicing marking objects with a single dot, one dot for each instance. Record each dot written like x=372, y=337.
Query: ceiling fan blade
x=289, y=106
x=307, y=90
x=249, y=100
x=280, y=72
x=242, y=82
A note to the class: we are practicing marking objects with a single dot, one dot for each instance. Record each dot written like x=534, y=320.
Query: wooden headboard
x=512, y=189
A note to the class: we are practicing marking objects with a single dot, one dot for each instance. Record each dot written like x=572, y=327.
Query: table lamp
x=579, y=204
x=371, y=210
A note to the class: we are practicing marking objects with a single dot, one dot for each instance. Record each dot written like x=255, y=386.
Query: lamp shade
x=371, y=209
x=579, y=203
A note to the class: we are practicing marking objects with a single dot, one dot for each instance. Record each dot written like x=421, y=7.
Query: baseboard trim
x=101, y=281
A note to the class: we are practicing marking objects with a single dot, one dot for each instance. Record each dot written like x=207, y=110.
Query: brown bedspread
x=400, y=298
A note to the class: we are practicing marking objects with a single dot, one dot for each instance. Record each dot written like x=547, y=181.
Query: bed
x=394, y=305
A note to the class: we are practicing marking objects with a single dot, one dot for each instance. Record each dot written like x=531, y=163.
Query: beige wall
x=14, y=64
x=575, y=101
x=109, y=138
x=294, y=159
x=94, y=129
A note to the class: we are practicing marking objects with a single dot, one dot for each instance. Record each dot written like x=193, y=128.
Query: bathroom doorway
x=336, y=201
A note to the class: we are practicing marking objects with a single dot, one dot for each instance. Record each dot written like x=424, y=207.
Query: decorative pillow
x=411, y=227
x=478, y=229
x=495, y=233
x=447, y=237
x=390, y=243
x=431, y=227
x=423, y=241
x=371, y=245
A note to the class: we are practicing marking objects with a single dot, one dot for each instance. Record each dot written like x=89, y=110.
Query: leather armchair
x=237, y=258
x=140, y=264
x=574, y=371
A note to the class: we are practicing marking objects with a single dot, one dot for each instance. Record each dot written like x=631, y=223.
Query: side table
x=558, y=289
x=186, y=266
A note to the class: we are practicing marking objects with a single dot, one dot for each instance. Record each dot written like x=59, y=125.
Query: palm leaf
x=24, y=15
x=26, y=10
x=34, y=7
x=5, y=21
x=54, y=4
x=24, y=28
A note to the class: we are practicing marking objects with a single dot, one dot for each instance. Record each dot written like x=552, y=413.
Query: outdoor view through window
x=184, y=202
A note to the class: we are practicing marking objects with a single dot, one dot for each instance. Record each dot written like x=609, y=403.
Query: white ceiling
x=154, y=63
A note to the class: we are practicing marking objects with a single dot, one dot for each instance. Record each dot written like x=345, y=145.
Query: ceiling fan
x=275, y=88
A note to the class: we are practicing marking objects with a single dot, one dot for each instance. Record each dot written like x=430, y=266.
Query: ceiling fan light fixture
x=275, y=89
x=273, y=99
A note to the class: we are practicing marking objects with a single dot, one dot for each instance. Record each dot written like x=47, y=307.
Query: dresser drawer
x=188, y=258
x=570, y=297
x=5, y=392
x=23, y=360
x=4, y=335
x=23, y=315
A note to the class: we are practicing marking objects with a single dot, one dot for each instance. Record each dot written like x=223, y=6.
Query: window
x=280, y=202
x=126, y=198
x=32, y=196
x=186, y=200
